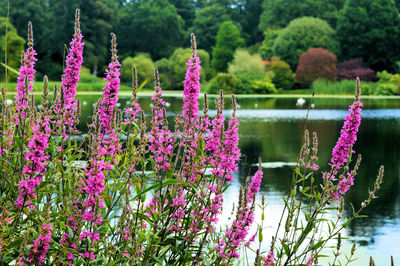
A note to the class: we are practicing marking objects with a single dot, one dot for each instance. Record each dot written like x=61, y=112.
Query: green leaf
x=158, y=184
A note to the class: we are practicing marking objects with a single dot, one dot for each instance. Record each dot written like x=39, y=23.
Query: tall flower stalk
x=26, y=78
x=68, y=107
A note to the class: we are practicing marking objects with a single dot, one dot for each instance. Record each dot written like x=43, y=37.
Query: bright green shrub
x=144, y=66
x=384, y=76
x=243, y=61
x=386, y=89
x=229, y=83
x=248, y=79
x=264, y=86
x=302, y=34
x=283, y=75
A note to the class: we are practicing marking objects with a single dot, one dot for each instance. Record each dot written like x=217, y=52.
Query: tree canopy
x=279, y=13
x=302, y=34
x=370, y=29
x=228, y=39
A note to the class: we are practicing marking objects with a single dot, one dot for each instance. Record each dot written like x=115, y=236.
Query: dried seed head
x=194, y=45
x=156, y=80
x=77, y=22
x=55, y=92
x=134, y=82
x=358, y=89
x=114, y=47
x=30, y=35
x=234, y=105
x=205, y=105
x=45, y=101
x=221, y=95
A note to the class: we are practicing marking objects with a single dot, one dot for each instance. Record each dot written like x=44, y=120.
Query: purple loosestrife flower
x=70, y=77
x=41, y=245
x=231, y=153
x=236, y=234
x=106, y=143
x=111, y=90
x=269, y=259
x=26, y=77
x=35, y=158
x=161, y=140
x=341, y=153
x=348, y=135
x=191, y=89
x=135, y=109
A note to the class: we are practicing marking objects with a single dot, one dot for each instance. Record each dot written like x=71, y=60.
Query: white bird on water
x=300, y=102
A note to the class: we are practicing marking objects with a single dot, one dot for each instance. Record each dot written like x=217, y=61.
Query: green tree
x=266, y=50
x=186, y=9
x=370, y=29
x=302, y=34
x=250, y=20
x=177, y=66
x=278, y=13
x=144, y=66
x=15, y=46
x=228, y=39
x=207, y=23
x=152, y=26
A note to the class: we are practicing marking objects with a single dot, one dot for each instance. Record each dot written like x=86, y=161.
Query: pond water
x=271, y=128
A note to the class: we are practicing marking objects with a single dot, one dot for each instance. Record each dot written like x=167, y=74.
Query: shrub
x=283, y=76
x=228, y=39
x=314, y=64
x=243, y=61
x=247, y=79
x=301, y=35
x=353, y=68
x=144, y=66
x=226, y=82
x=386, y=89
x=264, y=86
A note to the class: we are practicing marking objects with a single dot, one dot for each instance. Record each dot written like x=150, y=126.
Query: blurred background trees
x=273, y=33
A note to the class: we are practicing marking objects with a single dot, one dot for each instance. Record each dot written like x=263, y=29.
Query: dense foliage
x=366, y=29
x=279, y=13
x=353, y=68
x=370, y=29
x=227, y=40
x=301, y=35
x=316, y=63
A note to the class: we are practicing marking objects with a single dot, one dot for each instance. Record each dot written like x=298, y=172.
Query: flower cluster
x=40, y=246
x=191, y=88
x=26, y=78
x=70, y=77
x=35, y=166
x=237, y=232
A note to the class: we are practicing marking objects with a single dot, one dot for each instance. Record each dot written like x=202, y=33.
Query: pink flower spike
x=26, y=77
x=192, y=88
x=70, y=78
